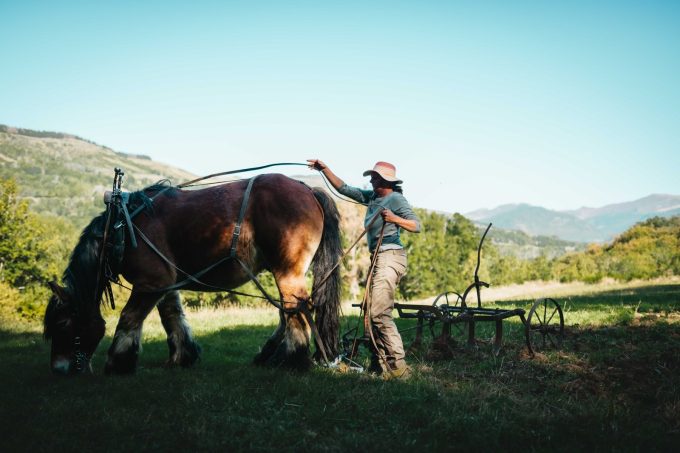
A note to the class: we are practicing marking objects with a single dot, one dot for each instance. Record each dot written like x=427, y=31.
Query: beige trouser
x=389, y=268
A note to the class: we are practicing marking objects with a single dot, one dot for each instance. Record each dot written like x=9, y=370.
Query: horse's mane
x=81, y=273
x=163, y=185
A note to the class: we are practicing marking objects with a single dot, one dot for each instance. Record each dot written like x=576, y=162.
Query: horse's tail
x=327, y=295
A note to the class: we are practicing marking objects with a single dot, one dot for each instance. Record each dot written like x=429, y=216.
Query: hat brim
x=386, y=178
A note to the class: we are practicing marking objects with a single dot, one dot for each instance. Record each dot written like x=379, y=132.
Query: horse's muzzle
x=61, y=366
x=65, y=367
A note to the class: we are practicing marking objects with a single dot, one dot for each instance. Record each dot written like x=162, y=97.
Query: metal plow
x=543, y=326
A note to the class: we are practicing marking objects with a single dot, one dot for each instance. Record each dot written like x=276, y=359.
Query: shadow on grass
x=609, y=388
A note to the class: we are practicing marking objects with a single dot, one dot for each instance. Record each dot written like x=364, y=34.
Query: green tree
x=32, y=248
x=441, y=257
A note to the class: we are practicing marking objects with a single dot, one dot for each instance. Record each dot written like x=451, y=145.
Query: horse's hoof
x=121, y=364
x=191, y=353
x=270, y=349
x=298, y=360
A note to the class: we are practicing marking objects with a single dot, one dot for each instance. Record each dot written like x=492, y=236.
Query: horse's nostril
x=61, y=366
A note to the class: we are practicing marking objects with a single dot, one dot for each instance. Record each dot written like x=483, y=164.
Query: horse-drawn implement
x=543, y=326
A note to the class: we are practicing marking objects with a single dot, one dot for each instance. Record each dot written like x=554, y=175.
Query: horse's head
x=74, y=331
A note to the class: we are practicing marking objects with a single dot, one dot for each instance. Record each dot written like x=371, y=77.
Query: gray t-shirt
x=395, y=202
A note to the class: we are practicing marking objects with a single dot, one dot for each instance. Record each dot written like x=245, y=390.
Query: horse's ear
x=58, y=291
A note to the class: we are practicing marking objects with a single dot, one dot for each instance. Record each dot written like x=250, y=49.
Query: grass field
x=615, y=385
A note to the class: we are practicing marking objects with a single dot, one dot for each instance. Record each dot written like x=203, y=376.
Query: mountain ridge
x=585, y=224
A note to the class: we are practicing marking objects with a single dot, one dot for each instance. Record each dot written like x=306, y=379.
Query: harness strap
x=241, y=214
x=190, y=277
x=253, y=277
x=232, y=255
x=305, y=310
x=128, y=222
x=142, y=207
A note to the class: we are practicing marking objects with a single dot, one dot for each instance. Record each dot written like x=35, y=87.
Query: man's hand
x=316, y=164
x=390, y=217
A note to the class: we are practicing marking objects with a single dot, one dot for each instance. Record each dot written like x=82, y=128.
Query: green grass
x=615, y=385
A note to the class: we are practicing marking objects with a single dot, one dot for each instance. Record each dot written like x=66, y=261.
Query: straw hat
x=387, y=171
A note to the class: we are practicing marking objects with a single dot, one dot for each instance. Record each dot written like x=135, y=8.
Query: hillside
x=66, y=175
x=582, y=225
x=523, y=246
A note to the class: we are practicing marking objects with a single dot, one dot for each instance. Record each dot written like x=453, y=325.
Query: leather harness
x=122, y=199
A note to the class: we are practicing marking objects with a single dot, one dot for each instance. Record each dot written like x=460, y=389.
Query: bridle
x=78, y=357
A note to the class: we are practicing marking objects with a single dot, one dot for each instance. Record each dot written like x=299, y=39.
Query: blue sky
x=477, y=103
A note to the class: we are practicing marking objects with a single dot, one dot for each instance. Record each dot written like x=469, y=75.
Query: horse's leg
x=272, y=343
x=293, y=351
x=184, y=351
x=127, y=339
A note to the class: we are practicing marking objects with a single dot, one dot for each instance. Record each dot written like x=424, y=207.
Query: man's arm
x=401, y=214
x=412, y=225
x=362, y=196
x=317, y=164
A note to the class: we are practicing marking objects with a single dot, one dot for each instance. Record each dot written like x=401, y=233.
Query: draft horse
x=286, y=227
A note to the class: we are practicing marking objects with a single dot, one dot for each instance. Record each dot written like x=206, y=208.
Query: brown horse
x=286, y=227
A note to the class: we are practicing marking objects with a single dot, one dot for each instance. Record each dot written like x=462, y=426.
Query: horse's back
x=285, y=219
x=282, y=224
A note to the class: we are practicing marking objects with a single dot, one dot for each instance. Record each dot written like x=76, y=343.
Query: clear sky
x=557, y=104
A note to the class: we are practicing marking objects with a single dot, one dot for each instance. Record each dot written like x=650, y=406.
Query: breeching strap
x=241, y=214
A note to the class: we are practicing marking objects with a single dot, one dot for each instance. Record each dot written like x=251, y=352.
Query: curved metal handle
x=479, y=251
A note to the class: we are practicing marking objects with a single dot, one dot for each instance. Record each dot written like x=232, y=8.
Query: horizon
x=479, y=106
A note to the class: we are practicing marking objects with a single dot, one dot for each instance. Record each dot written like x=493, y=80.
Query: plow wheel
x=544, y=326
x=448, y=302
x=452, y=334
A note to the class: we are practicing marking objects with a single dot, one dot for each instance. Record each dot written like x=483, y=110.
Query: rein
x=231, y=172
x=366, y=303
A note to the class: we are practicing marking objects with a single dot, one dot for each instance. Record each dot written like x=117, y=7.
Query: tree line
x=34, y=248
x=443, y=257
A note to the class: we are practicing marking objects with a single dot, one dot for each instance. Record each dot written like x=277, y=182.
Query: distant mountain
x=66, y=175
x=621, y=216
x=582, y=225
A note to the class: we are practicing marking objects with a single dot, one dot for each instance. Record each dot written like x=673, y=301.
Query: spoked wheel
x=545, y=325
x=451, y=303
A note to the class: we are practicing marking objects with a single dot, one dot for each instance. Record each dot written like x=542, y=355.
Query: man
x=391, y=262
